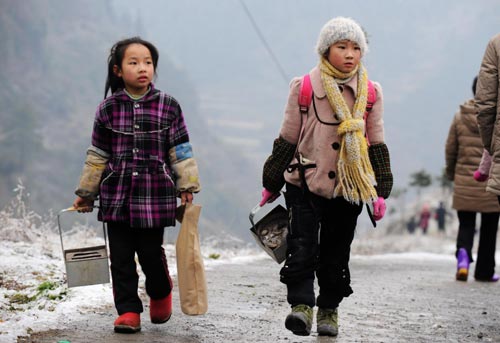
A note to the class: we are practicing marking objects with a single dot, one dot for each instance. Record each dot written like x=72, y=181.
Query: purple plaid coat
x=138, y=185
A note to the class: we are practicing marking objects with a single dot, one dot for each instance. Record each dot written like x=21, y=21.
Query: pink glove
x=379, y=208
x=268, y=197
x=478, y=176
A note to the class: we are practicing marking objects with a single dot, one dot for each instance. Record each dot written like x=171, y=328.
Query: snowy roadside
x=403, y=297
x=34, y=295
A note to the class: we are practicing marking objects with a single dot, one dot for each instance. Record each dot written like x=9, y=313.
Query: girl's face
x=137, y=69
x=344, y=55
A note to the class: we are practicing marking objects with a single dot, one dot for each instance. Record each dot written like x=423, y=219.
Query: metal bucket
x=85, y=265
x=270, y=231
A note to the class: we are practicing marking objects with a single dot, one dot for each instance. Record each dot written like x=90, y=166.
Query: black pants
x=124, y=243
x=320, y=233
x=485, y=264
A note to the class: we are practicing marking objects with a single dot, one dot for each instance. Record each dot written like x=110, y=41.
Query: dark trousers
x=485, y=264
x=320, y=233
x=124, y=243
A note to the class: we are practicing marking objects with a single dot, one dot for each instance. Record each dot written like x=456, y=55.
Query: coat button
x=135, y=173
x=136, y=106
x=336, y=146
x=331, y=174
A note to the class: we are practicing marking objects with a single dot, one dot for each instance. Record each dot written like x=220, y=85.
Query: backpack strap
x=372, y=97
x=305, y=98
x=305, y=94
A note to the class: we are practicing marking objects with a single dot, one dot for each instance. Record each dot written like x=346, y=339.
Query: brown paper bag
x=190, y=268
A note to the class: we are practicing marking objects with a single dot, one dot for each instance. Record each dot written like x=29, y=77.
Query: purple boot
x=494, y=278
x=462, y=265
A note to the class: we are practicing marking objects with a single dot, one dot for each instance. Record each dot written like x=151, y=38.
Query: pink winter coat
x=320, y=143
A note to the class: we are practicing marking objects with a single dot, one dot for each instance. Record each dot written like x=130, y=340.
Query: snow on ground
x=34, y=294
x=33, y=291
x=33, y=288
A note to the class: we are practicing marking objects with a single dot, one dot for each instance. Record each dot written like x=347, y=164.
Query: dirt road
x=397, y=298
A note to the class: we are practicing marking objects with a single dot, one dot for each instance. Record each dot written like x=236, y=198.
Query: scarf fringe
x=356, y=181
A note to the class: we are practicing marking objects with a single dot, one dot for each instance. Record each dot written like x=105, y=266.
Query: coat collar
x=317, y=84
x=120, y=95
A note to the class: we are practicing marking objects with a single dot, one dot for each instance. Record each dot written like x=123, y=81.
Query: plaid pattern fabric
x=381, y=164
x=138, y=185
x=275, y=165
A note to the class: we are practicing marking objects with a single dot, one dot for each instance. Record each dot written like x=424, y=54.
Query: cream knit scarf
x=356, y=178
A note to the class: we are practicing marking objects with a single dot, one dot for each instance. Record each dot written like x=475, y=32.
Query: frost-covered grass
x=34, y=295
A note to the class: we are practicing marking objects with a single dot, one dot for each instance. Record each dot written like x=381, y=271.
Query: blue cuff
x=183, y=151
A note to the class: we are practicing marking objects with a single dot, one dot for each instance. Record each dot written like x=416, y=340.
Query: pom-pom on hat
x=341, y=28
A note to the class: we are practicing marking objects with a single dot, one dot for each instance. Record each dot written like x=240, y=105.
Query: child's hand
x=83, y=205
x=379, y=208
x=186, y=197
x=478, y=176
x=268, y=197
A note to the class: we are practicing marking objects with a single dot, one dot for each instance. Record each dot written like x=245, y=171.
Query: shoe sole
x=297, y=326
x=160, y=321
x=327, y=330
x=126, y=329
x=462, y=274
x=485, y=280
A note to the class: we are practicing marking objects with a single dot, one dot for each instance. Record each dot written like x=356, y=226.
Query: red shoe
x=160, y=310
x=129, y=322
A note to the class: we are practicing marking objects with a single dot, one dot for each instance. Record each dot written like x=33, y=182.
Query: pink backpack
x=306, y=93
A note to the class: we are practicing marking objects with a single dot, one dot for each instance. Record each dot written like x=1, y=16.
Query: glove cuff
x=275, y=165
x=381, y=164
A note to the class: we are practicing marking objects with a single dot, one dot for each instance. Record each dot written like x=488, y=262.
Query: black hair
x=116, y=54
x=474, y=83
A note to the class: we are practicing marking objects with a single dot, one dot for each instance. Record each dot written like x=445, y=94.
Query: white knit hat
x=341, y=28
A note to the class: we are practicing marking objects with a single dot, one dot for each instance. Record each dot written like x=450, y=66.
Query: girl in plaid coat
x=139, y=162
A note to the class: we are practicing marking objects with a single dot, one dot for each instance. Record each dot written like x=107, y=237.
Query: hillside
x=55, y=71
x=425, y=54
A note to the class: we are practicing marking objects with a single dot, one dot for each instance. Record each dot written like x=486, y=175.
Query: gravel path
x=406, y=297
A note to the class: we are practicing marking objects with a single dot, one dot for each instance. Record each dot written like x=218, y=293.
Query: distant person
x=330, y=172
x=425, y=215
x=464, y=150
x=441, y=213
x=139, y=160
x=411, y=225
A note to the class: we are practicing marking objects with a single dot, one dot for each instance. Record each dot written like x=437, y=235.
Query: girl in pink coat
x=330, y=171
